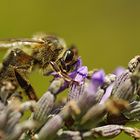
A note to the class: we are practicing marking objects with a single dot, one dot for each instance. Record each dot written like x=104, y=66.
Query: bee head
x=69, y=58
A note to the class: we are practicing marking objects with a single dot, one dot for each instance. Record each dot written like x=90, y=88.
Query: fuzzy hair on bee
x=48, y=52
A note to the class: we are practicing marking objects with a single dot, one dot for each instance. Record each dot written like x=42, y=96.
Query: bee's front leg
x=61, y=72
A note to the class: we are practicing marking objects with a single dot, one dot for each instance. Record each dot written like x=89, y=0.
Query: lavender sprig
x=97, y=105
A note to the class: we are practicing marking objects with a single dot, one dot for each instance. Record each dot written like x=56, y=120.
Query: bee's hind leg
x=24, y=84
x=15, y=65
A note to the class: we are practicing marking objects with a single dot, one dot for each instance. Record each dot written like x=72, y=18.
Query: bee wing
x=9, y=43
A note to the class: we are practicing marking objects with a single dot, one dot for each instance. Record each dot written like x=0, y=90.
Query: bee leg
x=60, y=72
x=15, y=59
x=24, y=84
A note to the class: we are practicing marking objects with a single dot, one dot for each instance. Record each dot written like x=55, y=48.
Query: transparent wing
x=8, y=43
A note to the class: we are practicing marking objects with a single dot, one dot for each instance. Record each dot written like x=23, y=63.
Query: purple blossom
x=76, y=90
x=107, y=93
x=98, y=77
x=87, y=112
x=90, y=87
x=82, y=73
x=118, y=71
x=63, y=87
x=74, y=75
x=97, y=80
x=78, y=64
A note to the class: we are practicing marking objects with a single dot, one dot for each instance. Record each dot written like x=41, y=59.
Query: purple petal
x=118, y=71
x=72, y=74
x=96, y=81
x=78, y=64
x=107, y=94
x=98, y=77
x=82, y=73
x=76, y=90
x=62, y=88
x=91, y=89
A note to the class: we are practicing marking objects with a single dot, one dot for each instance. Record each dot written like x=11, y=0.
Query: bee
x=24, y=54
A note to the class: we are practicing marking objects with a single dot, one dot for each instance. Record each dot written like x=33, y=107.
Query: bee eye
x=68, y=56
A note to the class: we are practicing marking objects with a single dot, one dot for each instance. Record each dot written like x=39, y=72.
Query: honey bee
x=24, y=54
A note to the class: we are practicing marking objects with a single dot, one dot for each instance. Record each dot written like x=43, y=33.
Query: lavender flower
x=76, y=89
x=118, y=71
x=96, y=105
x=10, y=116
